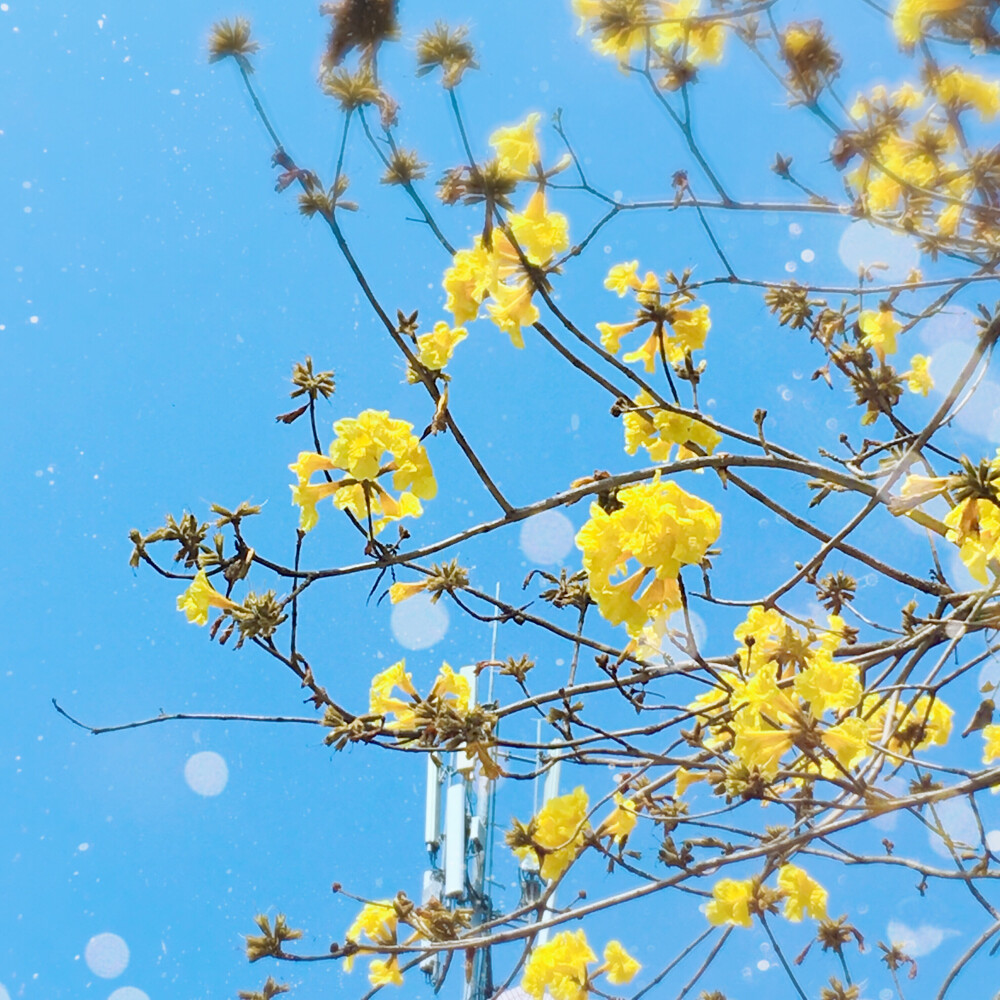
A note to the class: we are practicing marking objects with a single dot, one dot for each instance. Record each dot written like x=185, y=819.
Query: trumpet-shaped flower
x=435, y=349
x=803, y=894
x=558, y=968
x=517, y=147
x=879, y=331
x=660, y=431
x=918, y=378
x=559, y=831
x=910, y=16
x=730, y=903
x=619, y=966
x=622, y=821
x=199, y=597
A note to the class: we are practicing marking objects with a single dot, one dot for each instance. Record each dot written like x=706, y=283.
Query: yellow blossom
x=974, y=526
x=962, y=90
x=622, y=821
x=199, y=597
x=366, y=448
x=558, y=968
x=662, y=528
x=436, y=348
x=539, y=233
x=511, y=308
x=828, y=684
x=661, y=430
x=879, y=329
x=376, y=921
x=918, y=378
x=516, y=146
x=559, y=830
x=383, y=972
x=698, y=41
x=404, y=591
x=381, y=700
x=731, y=903
x=910, y=15
x=803, y=894
x=619, y=966
x=623, y=277
x=456, y=686
x=991, y=748
x=468, y=281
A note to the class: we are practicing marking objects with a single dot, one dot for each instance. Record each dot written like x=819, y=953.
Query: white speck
x=106, y=955
x=794, y=229
x=175, y=92
x=547, y=538
x=808, y=256
x=831, y=424
x=100, y=22
x=791, y=267
x=27, y=210
x=993, y=840
x=26, y=185
x=885, y=995
x=763, y=965
x=83, y=847
x=32, y=319
x=418, y=624
x=206, y=773
x=607, y=249
x=128, y=993
x=574, y=422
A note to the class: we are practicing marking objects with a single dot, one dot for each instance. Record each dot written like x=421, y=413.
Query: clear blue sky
x=154, y=293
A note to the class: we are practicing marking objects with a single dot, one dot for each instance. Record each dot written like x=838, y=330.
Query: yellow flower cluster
x=498, y=271
x=661, y=430
x=788, y=681
x=879, y=331
x=676, y=331
x=199, y=597
x=673, y=31
x=377, y=922
x=558, y=968
x=449, y=687
x=657, y=525
x=911, y=17
x=367, y=448
x=435, y=349
x=974, y=526
x=558, y=832
x=912, y=148
x=735, y=902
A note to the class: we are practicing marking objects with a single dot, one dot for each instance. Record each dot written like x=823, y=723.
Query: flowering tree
x=750, y=779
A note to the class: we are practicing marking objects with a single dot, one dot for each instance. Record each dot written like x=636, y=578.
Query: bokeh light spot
x=128, y=993
x=106, y=955
x=419, y=624
x=863, y=244
x=206, y=773
x=547, y=538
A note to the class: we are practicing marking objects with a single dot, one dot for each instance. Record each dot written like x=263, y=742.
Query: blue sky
x=154, y=293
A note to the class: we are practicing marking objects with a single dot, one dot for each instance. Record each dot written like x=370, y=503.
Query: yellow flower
x=367, y=447
x=382, y=702
x=560, y=828
x=558, y=968
x=199, y=597
x=434, y=349
x=803, y=894
x=848, y=742
x=448, y=683
x=376, y=921
x=827, y=684
x=467, y=282
x=991, y=749
x=660, y=431
x=908, y=20
x=918, y=378
x=541, y=234
x=731, y=903
x=703, y=41
x=516, y=146
x=963, y=90
x=879, y=329
x=662, y=528
x=974, y=526
x=619, y=966
x=511, y=308
x=404, y=591
x=621, y=822
x=385, y=973
x=623, y=277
